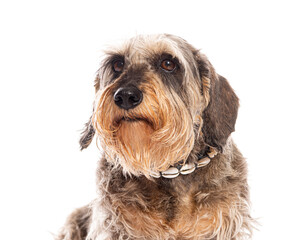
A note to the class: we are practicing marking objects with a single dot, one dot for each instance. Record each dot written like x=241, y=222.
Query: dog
x=169, y=168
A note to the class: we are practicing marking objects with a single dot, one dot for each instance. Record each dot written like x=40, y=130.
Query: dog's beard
x=151, y=137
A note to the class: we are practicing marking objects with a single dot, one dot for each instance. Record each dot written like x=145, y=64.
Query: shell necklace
x=174, y=171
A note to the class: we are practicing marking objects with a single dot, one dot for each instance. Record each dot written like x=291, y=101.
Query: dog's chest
x=158, y=212
x=192, y=219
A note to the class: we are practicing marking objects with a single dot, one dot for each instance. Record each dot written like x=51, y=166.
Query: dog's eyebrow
x=113, y=57
x=110, y=59
x=158, y=57
x=168, y=55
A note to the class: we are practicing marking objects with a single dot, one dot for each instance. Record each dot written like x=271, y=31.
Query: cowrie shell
x=187, y=168
x=155, y=174
x=203, y=162
x=171, y=173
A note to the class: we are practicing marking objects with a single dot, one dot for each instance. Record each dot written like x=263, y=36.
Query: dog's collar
x=187, y=168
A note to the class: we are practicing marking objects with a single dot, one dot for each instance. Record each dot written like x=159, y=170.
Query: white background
x=49, y=53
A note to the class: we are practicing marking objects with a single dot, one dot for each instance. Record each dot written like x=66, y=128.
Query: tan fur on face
x=166, y=127
x=172, y=120
x=135, y=137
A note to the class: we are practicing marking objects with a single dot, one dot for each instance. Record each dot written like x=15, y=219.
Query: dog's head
x=157, y=98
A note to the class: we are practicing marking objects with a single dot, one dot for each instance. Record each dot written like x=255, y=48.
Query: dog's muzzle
x=128, y=97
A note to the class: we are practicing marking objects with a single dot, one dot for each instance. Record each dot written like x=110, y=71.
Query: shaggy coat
x=186, y=110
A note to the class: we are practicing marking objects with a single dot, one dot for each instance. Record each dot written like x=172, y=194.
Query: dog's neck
x=184, y=169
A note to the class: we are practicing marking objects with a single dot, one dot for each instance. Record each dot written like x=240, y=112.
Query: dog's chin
x=135, y=133
x=134, y=139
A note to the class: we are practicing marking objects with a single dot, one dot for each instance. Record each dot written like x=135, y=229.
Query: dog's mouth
x=124, y=119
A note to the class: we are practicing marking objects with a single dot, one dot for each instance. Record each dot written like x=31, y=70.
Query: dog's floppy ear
x=220, y=115
x=89, y=131
x=87, y=135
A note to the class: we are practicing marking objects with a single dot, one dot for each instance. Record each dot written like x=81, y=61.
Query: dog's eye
x=168, y=65
x=118, y=66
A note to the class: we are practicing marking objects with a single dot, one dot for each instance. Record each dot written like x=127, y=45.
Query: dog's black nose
x=128, y=97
